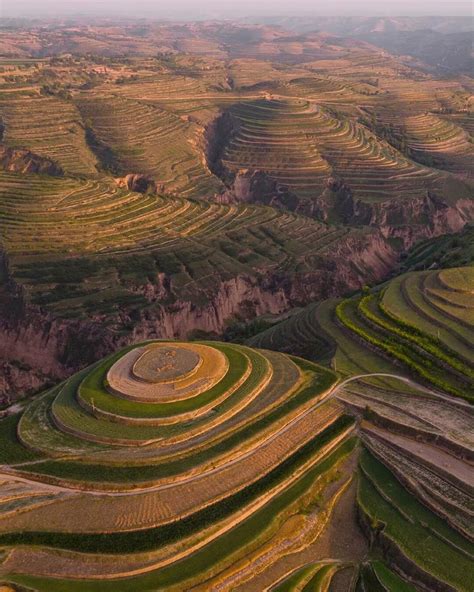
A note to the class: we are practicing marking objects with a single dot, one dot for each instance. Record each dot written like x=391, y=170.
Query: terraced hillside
x=148, y=195
x=273, y=136
x=309, y=149
x=53, y=129
x=204, y=465
x=187, y=464
x=407, y=350
x=299, y=124
x=145, y=139
x=153, y=193
x=104, y=266
x=421, y=322
x=105, y=241
x=435, y=140
x=430, y=321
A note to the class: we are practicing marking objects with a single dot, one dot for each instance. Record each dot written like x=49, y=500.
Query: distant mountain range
x=445, y=43
x=442, y=45
x=364, y=25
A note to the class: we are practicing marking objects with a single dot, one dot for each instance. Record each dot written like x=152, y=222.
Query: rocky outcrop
x=257, y=187
x=20, y=160
x=18, y=378
x=37, y=350
x=139, y=183
x=334, y=202
x=242, y=295
x=426, y=218
x=20, y=372
x=407, y=220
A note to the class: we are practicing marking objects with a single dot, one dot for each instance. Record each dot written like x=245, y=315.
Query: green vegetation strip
x=423, y=536
x=322, y=380
x=153, y=538
x=66, y=408
x=435, y=347
x=320, y=580
x=11, y=451
x=380, y=579
x=399, y=351
x=52, y=439
x=390, y=580
x=404, y=299
x=37, y=432
x=209, y=556
x=296, y=579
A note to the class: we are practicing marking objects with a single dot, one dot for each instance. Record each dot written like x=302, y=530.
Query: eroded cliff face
x=242, y=295
x=409, y=219
x=258, y=188
x=37, y=349
x=353, y=263
x=413, y=219
x=19, y=160
x=431, y=219
x=215, y=137
x=404, y=217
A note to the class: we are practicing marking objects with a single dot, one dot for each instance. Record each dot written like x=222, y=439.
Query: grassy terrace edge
x=152, y=538
x=210, y=555
x=345, y=313
x=71, y=471
x=92, y=388
x=422, y=536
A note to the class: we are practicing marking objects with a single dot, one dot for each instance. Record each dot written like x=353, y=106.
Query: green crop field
x=405, y=350
x=408, y=325
x=420, y=533
x=229, y=475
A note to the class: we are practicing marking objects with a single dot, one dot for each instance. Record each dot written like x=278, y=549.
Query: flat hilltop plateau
x=236, y=306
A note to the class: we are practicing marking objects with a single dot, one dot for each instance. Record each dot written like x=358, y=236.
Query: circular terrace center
x=166, y=363
x=166, y=372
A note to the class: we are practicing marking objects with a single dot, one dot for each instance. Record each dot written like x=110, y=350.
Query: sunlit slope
x=167, y=463
x=405, y=325
x=272, y=136
x=213, y=466
x=49, y=127
x=438, y=141
x=99, y=239
x=301, y=144
x=142, y=138
x=420, y=324
x=301, y=125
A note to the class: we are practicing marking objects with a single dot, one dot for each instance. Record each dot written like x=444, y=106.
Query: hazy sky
x=230, y=8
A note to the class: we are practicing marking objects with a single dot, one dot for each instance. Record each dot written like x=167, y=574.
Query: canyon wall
x=38, y=349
